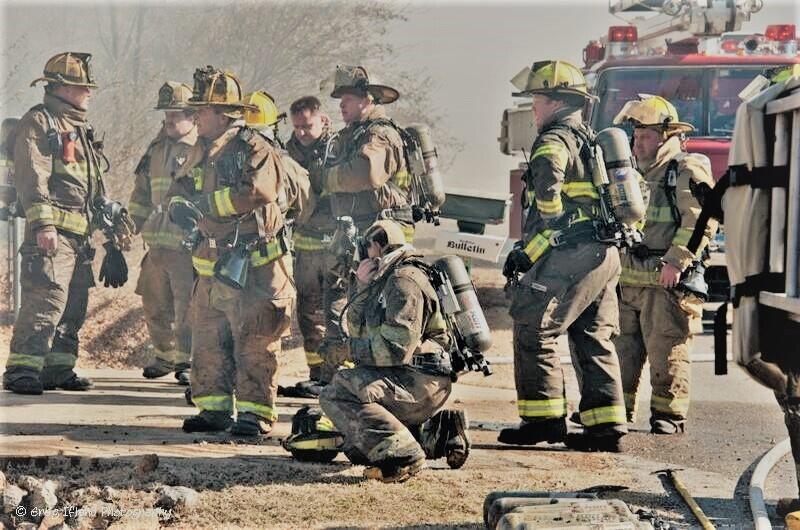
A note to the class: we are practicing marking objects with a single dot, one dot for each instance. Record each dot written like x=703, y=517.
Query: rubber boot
x=182, y=374
x=606, y=439
x=665, y=425
x=533, y=432
x=208, y=421
x=27, y=383
x=158, y=368
x=249, y=424
x=395, y=470
x=64, y=379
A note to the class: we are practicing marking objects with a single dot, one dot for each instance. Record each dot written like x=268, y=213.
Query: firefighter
x=369, y=178
x=58, y=176
x=320, y=293
x=659, y=310
x=166, y=277
x=243, y=294
x=396, y=329
x=569, y=277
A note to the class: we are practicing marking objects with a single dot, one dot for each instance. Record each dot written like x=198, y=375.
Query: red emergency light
x=624, y=34
x=729, y=46
x=592, y=53
x=780, y=32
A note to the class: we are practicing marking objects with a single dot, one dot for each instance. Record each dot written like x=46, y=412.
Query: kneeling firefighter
x=569, y=265
x=243, y=295
x=406, y=352
x=662, y=285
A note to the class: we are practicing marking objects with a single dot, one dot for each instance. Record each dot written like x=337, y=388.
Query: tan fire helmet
x=215, y=88
x=549, y=78
x=68, y=68
x=652, y=112
x=174, y=96
x=394, y=233
x=356, y=80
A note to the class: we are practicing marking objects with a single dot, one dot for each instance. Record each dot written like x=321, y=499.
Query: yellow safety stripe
x=327, y=443
x=679, y=406
x=436, y=322
x=76, y=170
x=553, y=207
x=408, y=232
x=304, y=242
x=325, y=424
x=580, y=189
x=659, y=214
x=538, y=245
x=205, y=267
x=197, y=174
x=223, y=203
x=542, y=408
x=162, y=239
x=530, y=195
x=160, y=184
x=265, y=411
x=682, y=237
x=218, y=402
x=138, y=210
x=402, y=178
x=600, y=415
x=24, y=360
x=47, y=214
x=40, y=212
x=635, y=278
x=172, y=356
x=555, y=150
x=313, y=358
x=60, y=359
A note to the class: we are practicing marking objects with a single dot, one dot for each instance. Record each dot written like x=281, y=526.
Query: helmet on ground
x=394, y=233
x=356, y=80
x=215, y=88
x=68, y=68
x=314, y=437
x=652, y=111
x=266, y=113
x=551, y=78
x=174, y=96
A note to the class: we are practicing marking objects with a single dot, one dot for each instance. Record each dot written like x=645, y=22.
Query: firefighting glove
x=114, y=270
x=184, y=213
x=517, y=261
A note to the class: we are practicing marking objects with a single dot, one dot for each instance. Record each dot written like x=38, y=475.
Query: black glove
x=114, y=270
x=517, y=261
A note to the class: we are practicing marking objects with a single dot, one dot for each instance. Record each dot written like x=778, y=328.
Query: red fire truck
x=690, y=52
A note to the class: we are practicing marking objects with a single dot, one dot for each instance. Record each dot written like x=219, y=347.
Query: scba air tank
x=624, y=187
x=469, y=320
x=432, y=183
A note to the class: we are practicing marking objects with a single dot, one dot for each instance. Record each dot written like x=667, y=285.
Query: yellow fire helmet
x=551, y=77
x=215, y=88
x=394, y=233
x=356, y=80
x=68, y=68
x=173, y=96
x=266, y=113
x=652, y=111
x=785, y=73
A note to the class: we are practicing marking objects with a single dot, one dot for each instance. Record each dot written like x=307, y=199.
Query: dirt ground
x=97, y=440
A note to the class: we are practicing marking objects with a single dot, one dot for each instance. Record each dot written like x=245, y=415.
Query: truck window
x=705, y=97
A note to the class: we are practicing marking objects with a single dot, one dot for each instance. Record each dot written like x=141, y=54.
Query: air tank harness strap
x=577, y=233
x=759, y=177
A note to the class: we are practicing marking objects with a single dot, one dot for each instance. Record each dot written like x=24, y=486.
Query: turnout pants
x=321, y=295
x=657, y=324
x=373, y=407
x=55, y=297
x=790, y=404
x=236, y=337
x=165, y=285
x=570, y=290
